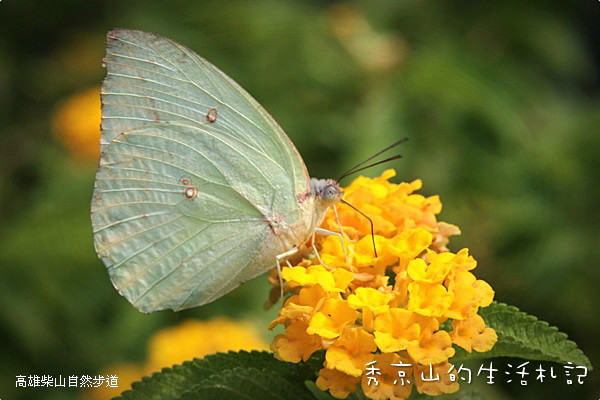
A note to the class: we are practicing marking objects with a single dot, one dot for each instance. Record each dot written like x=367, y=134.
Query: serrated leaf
x=525, y=336
x=173, y=383
x=247, y=384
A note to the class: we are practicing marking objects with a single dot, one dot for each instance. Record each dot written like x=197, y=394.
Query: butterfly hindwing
x=172, y=233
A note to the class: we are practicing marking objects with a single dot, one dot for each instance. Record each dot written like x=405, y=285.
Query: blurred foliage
x=500, y=100
x=174, y=345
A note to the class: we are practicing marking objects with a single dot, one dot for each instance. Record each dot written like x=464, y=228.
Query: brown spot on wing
x=191, y=193
x=184, y=57
x=153, y=107
x=212, y=115
x=111, y=35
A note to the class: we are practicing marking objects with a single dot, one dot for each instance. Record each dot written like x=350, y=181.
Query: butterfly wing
x=191, y=171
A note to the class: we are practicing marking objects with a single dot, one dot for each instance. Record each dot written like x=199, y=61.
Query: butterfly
x=198, y=189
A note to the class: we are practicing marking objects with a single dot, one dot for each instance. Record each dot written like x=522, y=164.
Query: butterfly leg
x=341, y=236
x=284, y=256
x=312, y=243
x=327, y=232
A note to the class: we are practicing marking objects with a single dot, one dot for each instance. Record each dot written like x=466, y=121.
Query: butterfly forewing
x=182, y=202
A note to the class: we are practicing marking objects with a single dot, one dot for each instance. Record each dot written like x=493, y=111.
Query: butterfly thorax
x=312, y=207
x=323, y=193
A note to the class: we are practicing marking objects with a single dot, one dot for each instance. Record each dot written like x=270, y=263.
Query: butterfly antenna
x=360, y=166
x=370, y=222
x=397, y=156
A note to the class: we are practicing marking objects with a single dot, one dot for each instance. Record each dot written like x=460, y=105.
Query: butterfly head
x=327, y=190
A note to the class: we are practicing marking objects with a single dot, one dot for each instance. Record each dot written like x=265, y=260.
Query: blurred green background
x=501, y=101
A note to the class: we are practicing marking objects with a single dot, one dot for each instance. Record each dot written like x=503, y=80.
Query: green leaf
x=316, y=360
x=524, y=336
x=246, y=383
x=234, y=375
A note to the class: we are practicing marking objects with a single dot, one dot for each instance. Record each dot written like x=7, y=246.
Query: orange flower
x=396, y=330
x=389, y=376
x=76, y=124
x=295, y=345
x=369, y=298
x=339, y=384
x=335, y=281
x=434, y=345
x=442, y=236
x=350, y=310
x=435, y=379
x=364, y=255
x=301, y=306
x=350, y=352
x=428, y=299
x=407, y=245
x=472, y=334
x=435, y=272
x=332, y=319
x=194, y=338
x=332, y=253
x=464, y=302
x=372, y=302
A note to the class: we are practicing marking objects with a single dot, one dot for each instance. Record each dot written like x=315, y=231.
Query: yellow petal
x=332, y=319
x=371, y=298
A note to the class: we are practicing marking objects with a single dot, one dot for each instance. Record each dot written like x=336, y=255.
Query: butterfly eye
x=331, y=192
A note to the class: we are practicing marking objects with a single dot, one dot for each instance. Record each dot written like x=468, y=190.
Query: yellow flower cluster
x=173, y=345
x=76, y=124
x=379, y=317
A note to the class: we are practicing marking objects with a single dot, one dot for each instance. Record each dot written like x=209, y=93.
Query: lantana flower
x=379, y=318
x=388, y=376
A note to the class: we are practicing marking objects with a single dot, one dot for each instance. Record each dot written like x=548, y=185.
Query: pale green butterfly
x=198, y=189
